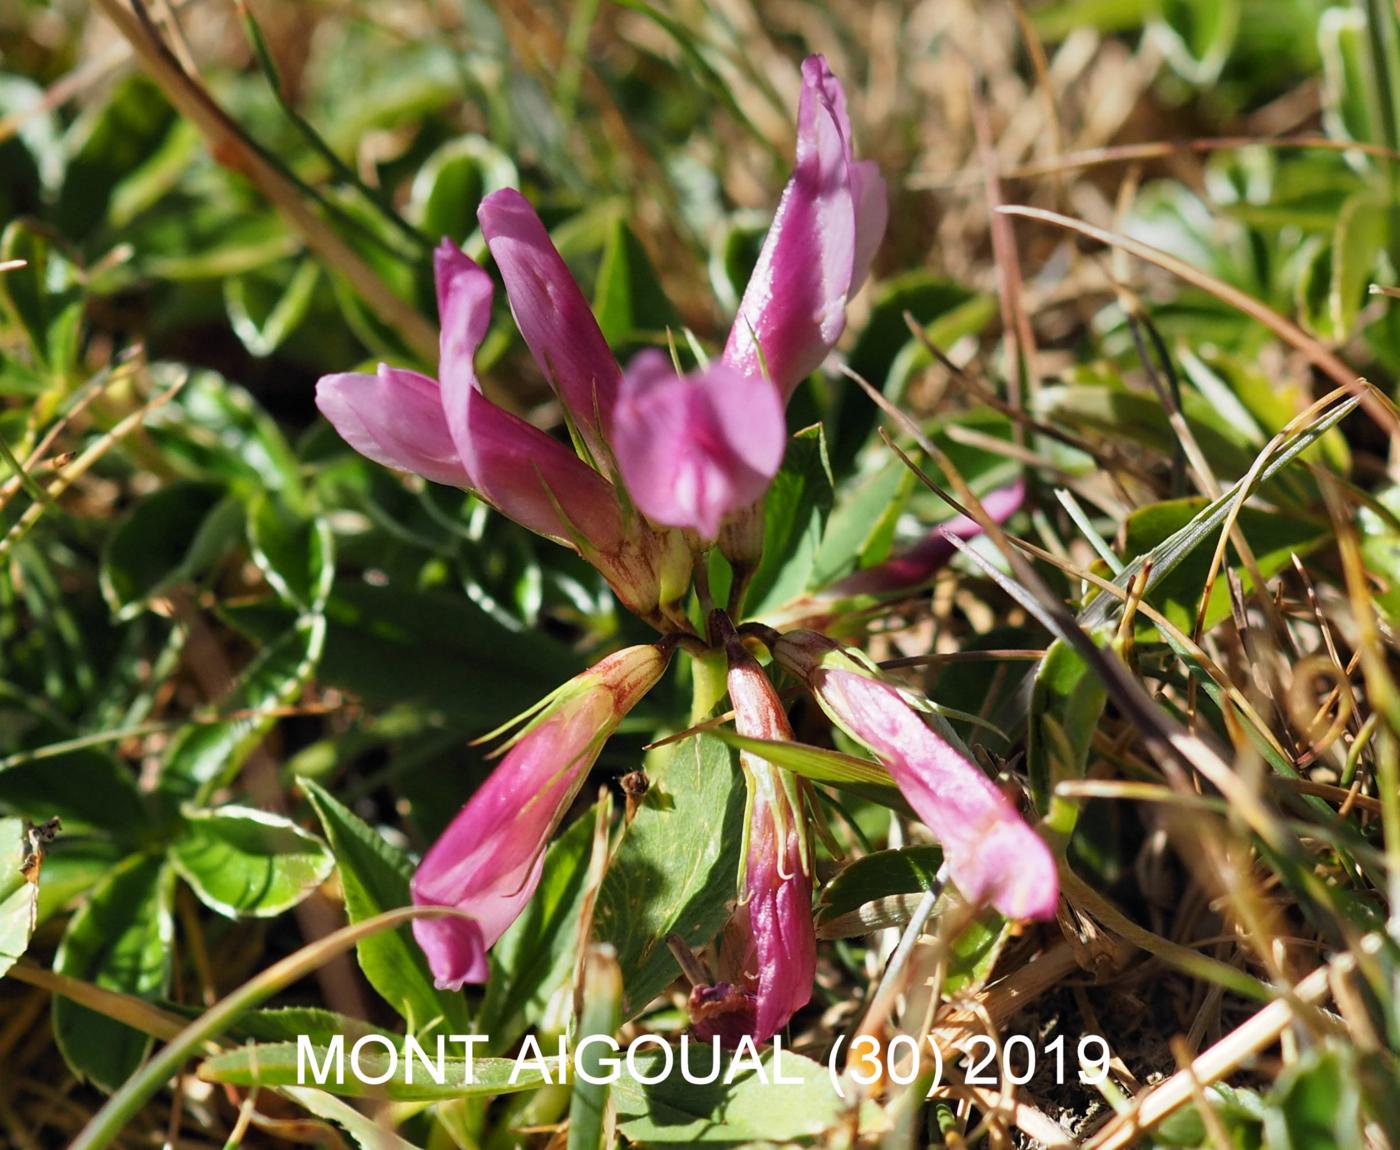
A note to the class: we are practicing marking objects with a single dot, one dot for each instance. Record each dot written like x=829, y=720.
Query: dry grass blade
x=1325, y=361
x=1152, y=150
x=1259, y=1033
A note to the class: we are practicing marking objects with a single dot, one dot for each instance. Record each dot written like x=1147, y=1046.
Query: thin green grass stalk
x=107, y=1124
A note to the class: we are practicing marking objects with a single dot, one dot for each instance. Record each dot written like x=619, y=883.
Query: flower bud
x=488, y=861
x=992, y=854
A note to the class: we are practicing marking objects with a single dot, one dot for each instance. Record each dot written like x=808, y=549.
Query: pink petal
x=552, y=315
x=526, y=473
x=694, y=448
x=464, y=294
x=394, y=418
x=794, y=307
x=768, y=954
x=780, y=918
x=918, y=563
x=489, y=859
x=993, y=855
x=872, y=208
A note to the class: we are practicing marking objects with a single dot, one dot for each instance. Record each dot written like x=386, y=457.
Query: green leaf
x=1167, y=555
x=120, y=940
x=105, y=145
x=859, y=898
x=296, y=556
x=1315, y=1102
x=887, y=354
x=628, y=299
x=535, y=956
x=369, y=1133
x=1362, y=235
x=264, y=312
x=215, y=429
x=1104, y=405
x=1196, y=35
x=19, y=896
x=171, y=536
x=794, y=518
x=1380, y=550
x=42, y=298
x=452, y=183
x=1273, y=538
x=286, y=1023
x=85, y=787
x=1239, y=1111
x=676, y=868
x=1067, y=702
x=755, y=1105
x=392, y=645
x=860, y=529
x=819, y=764
x=204, y=756
x=277, y=1065
x=242, y=861
x=590, y=1116
x=375, y=877
x=1353, y=94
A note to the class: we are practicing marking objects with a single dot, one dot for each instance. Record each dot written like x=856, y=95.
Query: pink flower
x=992, y=854
x=555, y=319
x=829, y=222
x=695, y=449
x=768, y=953
x=918, y=563
x=488, y=861
x=448, y=431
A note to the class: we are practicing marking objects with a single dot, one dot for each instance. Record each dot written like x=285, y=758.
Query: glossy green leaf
x=19, y=896
x=787, y=1098
x=1168, y=554
x=628, y=299
x=1197, y=35
x=820, y=764
x=375, y=877
x=42, y=298
x=170, y=537
x=868, y=882
x=1362, y=236
x=676, y=868
x=1316, y=1103
x=243, y=861
x=295, y=555
x=204, y=756
x=453, y=182
x=367, y=1132
x=1380, y=549
x=264, y=315
x=278, y=1064
x=591, y=1118
x=121, y=940
x=105, y=145
x=1273, y=538
x=1067, y=701
x=215, y=429
x=794, y=518
x=394, y=645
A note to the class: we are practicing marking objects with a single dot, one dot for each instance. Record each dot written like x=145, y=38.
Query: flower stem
x=708, y=684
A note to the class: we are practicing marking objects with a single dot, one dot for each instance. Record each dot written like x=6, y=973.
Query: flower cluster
x=663, y=467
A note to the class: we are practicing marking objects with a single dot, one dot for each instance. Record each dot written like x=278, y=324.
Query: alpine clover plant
x=665, y=466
